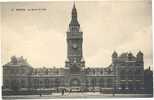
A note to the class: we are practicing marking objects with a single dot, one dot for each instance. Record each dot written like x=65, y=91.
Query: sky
x=40, y=35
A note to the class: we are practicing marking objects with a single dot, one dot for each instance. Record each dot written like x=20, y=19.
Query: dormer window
x=101, y=71
x=94, y=71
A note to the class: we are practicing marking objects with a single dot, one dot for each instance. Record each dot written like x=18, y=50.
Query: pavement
x=77, y=95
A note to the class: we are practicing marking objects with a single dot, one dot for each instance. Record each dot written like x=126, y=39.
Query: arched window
x=15, y=85
x=130, y=75
x=94, y=71
x=122, y=74
x=57, y=82
x=109, y=82
x=93, y=82
x=87, y=83
x=46, y=83
x=101, y=82
x=51, y=83
x=75, y=82
x=41, y=84
x=138, y=74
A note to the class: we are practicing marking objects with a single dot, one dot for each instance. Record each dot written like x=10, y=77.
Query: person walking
x=63, y=92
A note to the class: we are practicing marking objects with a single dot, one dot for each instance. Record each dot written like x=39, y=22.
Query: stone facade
x=16, y=73
x=125, y=73
x=129, y=71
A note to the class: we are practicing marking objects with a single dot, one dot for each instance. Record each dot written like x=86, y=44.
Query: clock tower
x=75, y=60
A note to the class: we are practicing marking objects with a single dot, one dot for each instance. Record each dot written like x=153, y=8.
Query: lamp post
x=114, y=80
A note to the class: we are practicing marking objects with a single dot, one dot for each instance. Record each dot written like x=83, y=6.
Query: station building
x=125, y=73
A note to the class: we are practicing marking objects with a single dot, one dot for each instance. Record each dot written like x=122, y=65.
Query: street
x=78, y=95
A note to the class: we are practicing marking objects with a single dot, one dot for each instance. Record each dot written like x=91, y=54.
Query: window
x=101, y=82
x=36, y=83
x=109, y=83
x=22, y=71
x=41, y=84
x=12, y=71
x=22, y=83
x=101, y=72
x=15, y=85
x=130, y=75
x=138, y=74
x=51, y=83
x=6, y=83
x=47, y=83
x=122, y=75
x=93, y=82
x=57, y=82
x=87, y=71
x=87, y=83
x=93, y=71
x=109, y=71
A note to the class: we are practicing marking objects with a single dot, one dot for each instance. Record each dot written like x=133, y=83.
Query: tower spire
x=74, y=3
x=74, y=12
x=74, y=20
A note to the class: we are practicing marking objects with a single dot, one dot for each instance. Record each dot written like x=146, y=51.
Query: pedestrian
x=62, y=92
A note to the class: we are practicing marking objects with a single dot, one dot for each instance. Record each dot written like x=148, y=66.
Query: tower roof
x=114, y=54
x=139, y=53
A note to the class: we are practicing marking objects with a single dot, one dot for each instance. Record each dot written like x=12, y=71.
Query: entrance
x=75, y=82
x=75, y=85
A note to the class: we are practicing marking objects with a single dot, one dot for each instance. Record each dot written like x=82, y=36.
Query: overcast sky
x=40, y=36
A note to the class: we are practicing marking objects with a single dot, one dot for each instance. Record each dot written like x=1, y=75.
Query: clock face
x=74, y=46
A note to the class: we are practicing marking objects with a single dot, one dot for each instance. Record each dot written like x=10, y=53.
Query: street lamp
x=114, y=77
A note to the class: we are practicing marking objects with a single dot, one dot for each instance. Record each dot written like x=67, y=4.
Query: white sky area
x=40, y=36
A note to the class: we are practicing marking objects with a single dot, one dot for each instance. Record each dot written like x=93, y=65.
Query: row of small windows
x=101, y=83
x=35, y=83
x=22, y=71
x=130, y=64
x=46, y=71
x=55, y=83
x=130, y=74
x=45, y=83
x=131, y=77
x=20, y=83
x=14, y=71
x=132, y=71
x=95, y=71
